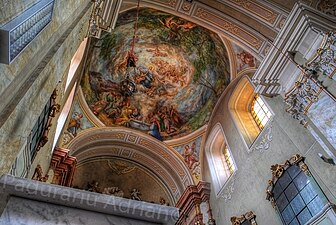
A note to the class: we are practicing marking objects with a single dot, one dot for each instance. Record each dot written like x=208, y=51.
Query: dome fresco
x=181, y=70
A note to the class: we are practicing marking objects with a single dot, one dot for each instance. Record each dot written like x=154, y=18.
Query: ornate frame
x=247, y=216
x=279, y=169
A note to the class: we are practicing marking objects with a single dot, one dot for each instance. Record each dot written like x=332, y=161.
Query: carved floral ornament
x=250, y=216
x=307, y=89
x=304, y=93
x=325, y=59
x=279, y=169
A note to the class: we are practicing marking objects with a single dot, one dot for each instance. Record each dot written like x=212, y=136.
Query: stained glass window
x=229, y=159
x=261, y=114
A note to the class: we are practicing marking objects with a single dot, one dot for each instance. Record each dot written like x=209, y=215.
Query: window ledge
x=228, y=188
x=326, y=216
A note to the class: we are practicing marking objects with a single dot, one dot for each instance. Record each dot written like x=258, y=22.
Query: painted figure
x=190, y=155
x=246, y=60
x=75, y=123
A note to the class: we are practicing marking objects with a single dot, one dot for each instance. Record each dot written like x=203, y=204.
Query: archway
x=126, y=144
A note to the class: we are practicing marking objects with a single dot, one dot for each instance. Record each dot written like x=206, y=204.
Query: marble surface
x=323, y=115
x=29, y=212
x=32, y=202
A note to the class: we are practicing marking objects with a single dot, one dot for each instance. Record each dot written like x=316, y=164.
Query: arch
x=137, y=147
x=219, y=169
x=240, y=109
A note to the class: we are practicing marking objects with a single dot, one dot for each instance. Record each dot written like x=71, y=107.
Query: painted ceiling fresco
x=181, y=69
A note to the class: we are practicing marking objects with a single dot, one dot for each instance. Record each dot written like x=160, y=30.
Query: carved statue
x=135, y=194
x=163, y=201
x=93, y=187
x=115, y=191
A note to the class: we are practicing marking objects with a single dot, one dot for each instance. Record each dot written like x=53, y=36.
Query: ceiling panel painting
x=181, y=70
x=76, y=123
x=191, y=155
x=244, y=59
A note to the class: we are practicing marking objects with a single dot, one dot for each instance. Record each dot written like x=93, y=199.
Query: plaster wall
x=250, y=181
x=10, y=8
x=39, y=69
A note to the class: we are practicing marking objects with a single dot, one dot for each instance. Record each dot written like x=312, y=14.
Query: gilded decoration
x=324, y=61
x=249, y=216
x=257, y=9
x=278, y=170
x=304, y=93
x=308, y=87
x=186, y=6
x=54, y=109
x=229, y=26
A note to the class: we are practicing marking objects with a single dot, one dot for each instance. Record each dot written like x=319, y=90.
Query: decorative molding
x=226, y=24
x=279, y=169
x=327, y=6
x=228, y=188
x=260, y=11
x=189, y=204
x=39, y=175
x=324, y=60
x=278, y=69
x=103, y=17
x=249, y=216
x=265, y=141
x=64, y=167
x=213, y=19
x=302, y=96
x=138, y=147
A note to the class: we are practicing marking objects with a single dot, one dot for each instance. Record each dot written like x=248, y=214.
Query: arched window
x=220, y=160
x=294, y=192
x=230, y=165
x=249, y=111
x=260, y=112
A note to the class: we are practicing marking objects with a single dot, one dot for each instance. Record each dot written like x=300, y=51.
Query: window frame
x=263, y=108
x=219, y=170
x=278, y=172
